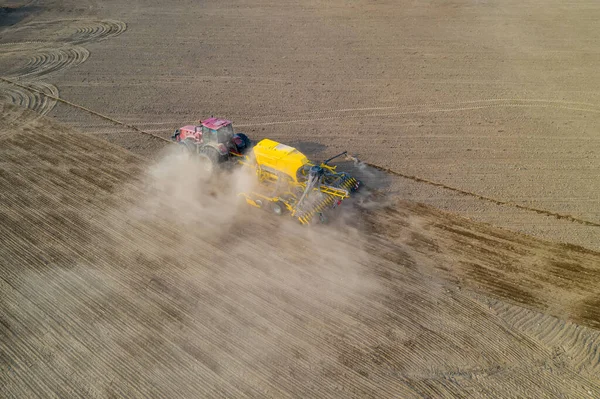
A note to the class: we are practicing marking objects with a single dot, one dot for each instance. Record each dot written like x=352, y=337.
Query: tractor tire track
x=113, y=130
x=46, y=62
x=93, y=31
x=70, y=31
x=429, y=106
x=410, y=109
x=416, y=112
x=37, y=96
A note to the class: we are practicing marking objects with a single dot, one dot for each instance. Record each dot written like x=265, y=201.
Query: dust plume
x=229, y=277
x=179, y=190
x=195, y=206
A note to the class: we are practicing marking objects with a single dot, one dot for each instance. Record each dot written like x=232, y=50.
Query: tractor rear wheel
x=209, y=159
x=187, y=146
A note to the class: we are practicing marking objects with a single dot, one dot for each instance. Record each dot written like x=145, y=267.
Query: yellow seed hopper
x=288, y=182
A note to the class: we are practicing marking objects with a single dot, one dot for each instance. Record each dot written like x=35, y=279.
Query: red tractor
x=213, y=140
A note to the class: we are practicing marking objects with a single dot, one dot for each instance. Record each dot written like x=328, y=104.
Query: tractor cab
x=217, y=131
x=212, y=133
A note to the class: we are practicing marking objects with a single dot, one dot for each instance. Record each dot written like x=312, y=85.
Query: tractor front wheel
x=246, y=143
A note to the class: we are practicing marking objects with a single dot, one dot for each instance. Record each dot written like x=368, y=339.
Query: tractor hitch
x=336, y=156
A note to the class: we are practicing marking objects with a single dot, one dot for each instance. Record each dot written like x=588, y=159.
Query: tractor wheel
x=245, y=141
x=277, y=207
x=323, y=219
x=187, y=146
x=209, y=159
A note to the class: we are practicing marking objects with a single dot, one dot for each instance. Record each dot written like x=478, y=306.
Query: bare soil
x=123, y=276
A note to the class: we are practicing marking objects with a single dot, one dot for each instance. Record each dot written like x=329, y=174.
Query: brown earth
x=122, y=277
x=500, y=99
x=110, y=289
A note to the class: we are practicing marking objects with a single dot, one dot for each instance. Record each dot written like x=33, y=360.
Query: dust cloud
x=213, y=272
x=179, y=194
x=178, y=190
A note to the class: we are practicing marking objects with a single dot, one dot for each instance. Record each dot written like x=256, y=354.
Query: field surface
x=473, y=272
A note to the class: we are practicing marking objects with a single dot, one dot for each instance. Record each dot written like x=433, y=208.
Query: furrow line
x=582, y=343
x=119, y=308
x=28, y=312
x=415, y=112
x=92, y=260
x=495, y=201
x=27, y=263
x=425, y=105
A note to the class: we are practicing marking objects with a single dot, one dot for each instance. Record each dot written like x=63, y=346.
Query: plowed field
x=471, y=270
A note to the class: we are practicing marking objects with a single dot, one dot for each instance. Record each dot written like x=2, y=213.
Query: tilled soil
x=124, y=277
x=499, y=99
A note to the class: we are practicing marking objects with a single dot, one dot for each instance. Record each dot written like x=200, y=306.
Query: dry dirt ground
x=498, y=98
x=123, y=276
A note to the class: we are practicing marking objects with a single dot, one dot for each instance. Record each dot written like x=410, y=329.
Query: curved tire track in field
x=46, y=61
x=92, y=31
x=41, y=97
x=49, y=61
x=73, y=31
